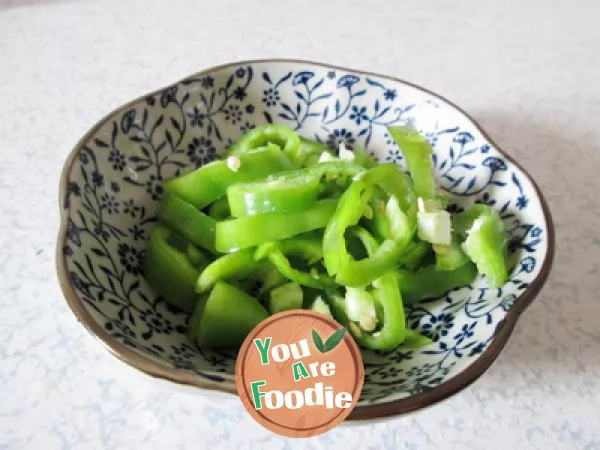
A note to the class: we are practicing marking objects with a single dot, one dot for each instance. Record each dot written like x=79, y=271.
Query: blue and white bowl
x=112, y=182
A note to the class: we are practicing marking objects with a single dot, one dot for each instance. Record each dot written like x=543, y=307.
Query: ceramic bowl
x=112, y=181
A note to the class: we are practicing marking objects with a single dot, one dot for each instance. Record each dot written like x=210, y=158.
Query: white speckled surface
x=528, y=72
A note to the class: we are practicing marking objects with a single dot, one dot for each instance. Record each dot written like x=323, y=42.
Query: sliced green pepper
x=250, y=231
x=308, y=246
x=351, y=206
x=168, y=270
x=273, y=252
x=415, y=340
x=231, y=266
x=269, y=278
x=428, y=282
x=309, y=152
x=187, y=220
x=417, y=154
x=196, y=257
x=280, y=194
x=415, y=254
x=226, y=318
x=285, y=297
x=331, y=170
x=362, y=159
x=210, y=182
x=449, y=257
x=219, y=209
x=486, y=242
x=387, y=296
x=282, y=136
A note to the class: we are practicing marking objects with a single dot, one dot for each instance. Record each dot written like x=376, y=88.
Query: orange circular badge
x=299, y=373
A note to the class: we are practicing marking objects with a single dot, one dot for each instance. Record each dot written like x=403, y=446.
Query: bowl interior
x=114, y=180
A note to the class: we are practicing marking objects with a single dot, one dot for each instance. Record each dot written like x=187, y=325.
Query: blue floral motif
x=347, y=81
x=522, y=201
x=196, y=117
x=271, y=96
x=117, y=159
x=528, y=264
x=390, y=94
x=340, y=136
x=168, y=96
x=465, y=332
x=394, y=156
x=463, y=138
x=201, y=151
x=127, y=121
x=358, y=115
x=109, y=203
x=117, y=179
x=438, y=326
x=302, y=77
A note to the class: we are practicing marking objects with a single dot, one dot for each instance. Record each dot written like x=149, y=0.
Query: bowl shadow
x=559, y=330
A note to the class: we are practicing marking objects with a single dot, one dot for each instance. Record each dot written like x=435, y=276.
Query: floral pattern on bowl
x=113, y=180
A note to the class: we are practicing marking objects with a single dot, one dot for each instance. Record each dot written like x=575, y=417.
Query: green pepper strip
x=210, y=182
x=168, y=270
x=486, y=242
x=450, y=257
x=273, y=252
x=413, y=339
x=364, y=160
x=351, y=206
x=280, y=194
x=428, y=282
x=231, y=266
x=310, y=248
x=414, y=255
x=250, y=231
x=417, y=154
x=329, y=169
x=387, y=296
x=282, y=136
x=285, y=297
x=187, y=220
x=225, y=318
x=290, y=191
x=309, y=152
x=196, y=256
x=219, y=209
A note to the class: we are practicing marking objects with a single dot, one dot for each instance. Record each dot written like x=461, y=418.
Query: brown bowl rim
x=361, y=412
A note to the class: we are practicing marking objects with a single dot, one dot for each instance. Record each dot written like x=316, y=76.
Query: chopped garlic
x=326, y=157
x=360, y=308
x=441, y=249
x=320, y=306
x=427, y=205
x=477, y=224
x=234, y=163
x=368, y=323
x=355, y=329
x=344, y=153
x=435, y=227
x=396, y=217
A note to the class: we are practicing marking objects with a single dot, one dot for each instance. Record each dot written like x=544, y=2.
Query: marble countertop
x=528, y=71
